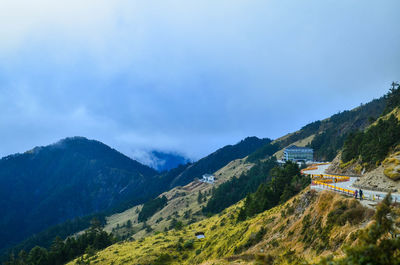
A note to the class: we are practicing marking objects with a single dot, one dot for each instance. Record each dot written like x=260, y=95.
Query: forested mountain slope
x=327, y=137
x=77, y=177
x=74, y=177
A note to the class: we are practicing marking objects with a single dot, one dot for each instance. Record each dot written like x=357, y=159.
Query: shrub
x=345, y=211
x=188, y=244
x=162, y=259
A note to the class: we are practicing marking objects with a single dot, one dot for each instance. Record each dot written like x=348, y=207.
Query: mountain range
x=77, y=177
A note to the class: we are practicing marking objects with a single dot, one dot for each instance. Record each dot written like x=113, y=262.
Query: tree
x=200, y=197
x=95, y=225
x=285, y=183
x=151, y=207
x=392, y=97
x=38, y=256
x=129, y=224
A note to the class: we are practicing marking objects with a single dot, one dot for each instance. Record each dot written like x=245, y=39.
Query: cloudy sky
x=187, y=76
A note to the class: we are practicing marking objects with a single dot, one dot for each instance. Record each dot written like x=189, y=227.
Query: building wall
x=300, y=154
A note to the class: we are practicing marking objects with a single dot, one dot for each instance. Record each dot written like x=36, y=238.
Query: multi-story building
x=298, y=154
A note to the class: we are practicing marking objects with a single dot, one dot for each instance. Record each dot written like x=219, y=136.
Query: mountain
x=374, y=153
x=164, y=161
x=301, y=230
x=327, y=136
x=43, y=189
x=71, y=178
x=218, y=159
x=239, y=233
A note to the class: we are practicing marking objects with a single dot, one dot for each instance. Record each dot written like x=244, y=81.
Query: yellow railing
x=347, y=191
x=321, y=164
x=326, y=180
x=308, y=168
x=339, y=178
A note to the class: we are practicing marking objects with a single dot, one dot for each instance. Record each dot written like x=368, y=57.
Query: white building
x=207, y=178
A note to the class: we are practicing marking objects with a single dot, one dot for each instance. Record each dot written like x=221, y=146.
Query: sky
x=187, y=76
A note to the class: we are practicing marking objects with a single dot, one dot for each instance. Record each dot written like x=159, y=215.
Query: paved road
x=368, y=194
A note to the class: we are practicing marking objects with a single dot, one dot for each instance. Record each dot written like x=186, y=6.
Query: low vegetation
x=392, y=166
x=377, y=244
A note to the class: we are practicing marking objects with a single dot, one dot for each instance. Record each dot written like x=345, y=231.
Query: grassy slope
x=180, y=200
x=288, y=237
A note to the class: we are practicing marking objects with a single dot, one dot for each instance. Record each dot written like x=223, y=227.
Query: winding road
x=342, y=185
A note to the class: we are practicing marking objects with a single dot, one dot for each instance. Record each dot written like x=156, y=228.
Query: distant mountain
x=163, y=161
x=218, y=159
x=71, y=178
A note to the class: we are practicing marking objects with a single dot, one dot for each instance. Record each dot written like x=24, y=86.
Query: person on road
x=355, y=194
x=361, y=194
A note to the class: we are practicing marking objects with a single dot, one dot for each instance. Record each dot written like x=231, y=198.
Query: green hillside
x=302, y=231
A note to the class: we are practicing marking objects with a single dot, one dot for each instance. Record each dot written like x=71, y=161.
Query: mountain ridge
x=63, y=177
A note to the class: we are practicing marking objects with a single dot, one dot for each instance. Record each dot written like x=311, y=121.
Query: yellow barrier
x=323, y=179
x=326, y=180
x=333, y=177
x=309, y=168
x=350, y=192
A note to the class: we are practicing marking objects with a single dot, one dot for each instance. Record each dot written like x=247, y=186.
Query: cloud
x=186, y=76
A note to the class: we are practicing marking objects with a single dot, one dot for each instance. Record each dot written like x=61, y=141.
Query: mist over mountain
x=164, y=161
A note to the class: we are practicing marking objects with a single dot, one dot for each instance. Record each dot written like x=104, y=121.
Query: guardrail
x=326, y=181
x=335, y=188
x=330, y=178
x=321, y=164
x=308, y=168
x=339, y=178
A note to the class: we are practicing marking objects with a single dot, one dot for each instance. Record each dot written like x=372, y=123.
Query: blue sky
x=187, y=76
